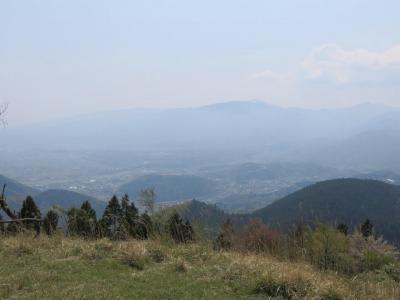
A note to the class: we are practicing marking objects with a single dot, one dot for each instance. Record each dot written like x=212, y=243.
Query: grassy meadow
x=67, y=268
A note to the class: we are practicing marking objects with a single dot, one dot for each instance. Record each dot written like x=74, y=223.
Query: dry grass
x=59, y=267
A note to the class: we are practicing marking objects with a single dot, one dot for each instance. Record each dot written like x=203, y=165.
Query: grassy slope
x=74, y=269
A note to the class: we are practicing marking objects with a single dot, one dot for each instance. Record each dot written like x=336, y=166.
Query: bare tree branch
x=4, y=206
x=20, y=220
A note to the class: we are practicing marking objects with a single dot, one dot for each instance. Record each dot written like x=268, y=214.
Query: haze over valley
x=240, y=155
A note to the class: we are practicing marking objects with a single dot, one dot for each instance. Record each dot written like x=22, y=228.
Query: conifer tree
x=50, y=222
x=82, y=221
x=113, y=219
x=30, y=210
x=89, y=210
x=179, y=231
x=367, y=228
x=129, y=215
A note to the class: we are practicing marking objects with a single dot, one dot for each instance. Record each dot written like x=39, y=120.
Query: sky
x=62, y=58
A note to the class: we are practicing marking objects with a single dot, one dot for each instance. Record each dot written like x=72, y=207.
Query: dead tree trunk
x=13, y=217
x=4, y=206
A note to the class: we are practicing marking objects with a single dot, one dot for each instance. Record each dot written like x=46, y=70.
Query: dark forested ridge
x=348, y=201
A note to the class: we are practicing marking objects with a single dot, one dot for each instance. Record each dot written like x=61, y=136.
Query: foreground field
x=61, y=268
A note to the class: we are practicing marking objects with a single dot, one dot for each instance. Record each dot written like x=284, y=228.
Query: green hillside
x=66, y=268
x=350, y=201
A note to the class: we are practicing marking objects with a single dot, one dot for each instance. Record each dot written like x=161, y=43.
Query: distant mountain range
x=365, y=136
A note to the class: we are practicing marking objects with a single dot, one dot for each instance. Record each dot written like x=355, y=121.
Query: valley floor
x=62, y=268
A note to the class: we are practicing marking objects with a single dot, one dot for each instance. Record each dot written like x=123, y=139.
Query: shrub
x=136, y=262
x=50, y=222
x=393, y=271
x=284, y=288
x=180, y=266
x=371, y=261
x=224, y=241
x=371, y=253
x=331, y=294
x=157, y=255
x=327, y=248
x=259, y=237
x=180, y=232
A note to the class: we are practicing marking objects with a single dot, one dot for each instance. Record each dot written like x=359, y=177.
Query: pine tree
x=367, y=228
x=129, y=215
x=180, y=232
x=50, y=222
x=89, y=210
x=113, y=219
x=81, y=223
x=30, y=210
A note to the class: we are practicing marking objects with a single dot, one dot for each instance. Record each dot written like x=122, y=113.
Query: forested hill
x=66, y=199
x=348, y=201
x=15, y=189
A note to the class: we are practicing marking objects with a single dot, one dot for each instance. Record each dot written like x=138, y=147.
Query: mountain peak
x=232, y=106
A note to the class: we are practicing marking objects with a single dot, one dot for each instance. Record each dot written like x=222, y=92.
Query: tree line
x=120, y=220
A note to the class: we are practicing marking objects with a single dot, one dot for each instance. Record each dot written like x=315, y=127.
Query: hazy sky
x=59, y=58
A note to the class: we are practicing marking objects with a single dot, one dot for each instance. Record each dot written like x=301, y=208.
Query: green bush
x=393, y=271
x=280, y=288
x=331, y=294
x=157, y=255
x=136, y=262
x=372, y=261
x=180, y=266
x=327, y=248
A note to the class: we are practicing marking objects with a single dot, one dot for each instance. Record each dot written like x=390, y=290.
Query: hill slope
x=341, y=200
x=16, y=189
x=66, y=199
x=207, y=216
x=79, y=269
